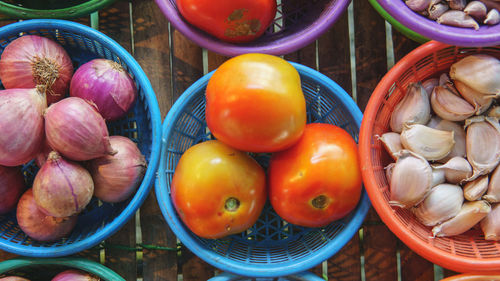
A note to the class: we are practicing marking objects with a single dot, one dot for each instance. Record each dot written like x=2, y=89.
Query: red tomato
x=318, y=180
x=217, y=190
x=255, y=103
x=229, y=20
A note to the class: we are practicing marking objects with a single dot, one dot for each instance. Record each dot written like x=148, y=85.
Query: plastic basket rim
x=464, y=37
x=64, y=13
x=386, y=213
x=76, y=263
x=145, y=187
x=261, y=270
x=293, y=43
x=305, y=275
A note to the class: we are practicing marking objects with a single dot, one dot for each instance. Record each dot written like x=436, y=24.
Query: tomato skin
x=323, y=162
x=254, y=102
x=206, y=176
x=235, y=21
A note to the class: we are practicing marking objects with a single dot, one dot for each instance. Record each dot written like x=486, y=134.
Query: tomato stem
x=232, y=204
x=320, y=202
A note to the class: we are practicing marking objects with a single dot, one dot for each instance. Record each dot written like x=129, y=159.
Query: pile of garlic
x=447, y=149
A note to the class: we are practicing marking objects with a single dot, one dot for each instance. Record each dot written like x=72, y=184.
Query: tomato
x=255, y=103
x=318, y=180
x=217, y=190
x=229, y=20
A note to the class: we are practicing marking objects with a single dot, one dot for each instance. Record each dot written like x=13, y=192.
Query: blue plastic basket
x=142, y=125
x=271, y=247
x=302, y=276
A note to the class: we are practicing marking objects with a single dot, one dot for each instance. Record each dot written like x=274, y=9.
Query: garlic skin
x=429, y=84
x=478, y=100
x=470, y=214
x=450, y=106
x=494, y=112
x=456, y=170
x=493, y=17
x=477, y=10
x=432, y=210
x=430, y=143
x=479, y=72
x=436, y=10
x=482, y=144
x=493, y=194
x=457, y=4
x=392, y=143
x=458, y=136
x=414, y=108
x=388, y=171
x=417, y=5
x=438, y=177
x=411, y=180
x=490, y=225
x=473, y=190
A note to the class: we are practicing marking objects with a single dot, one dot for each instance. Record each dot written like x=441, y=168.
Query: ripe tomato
x=217, y=190
x=229, y=20
x=255, y=103
x=318, y=180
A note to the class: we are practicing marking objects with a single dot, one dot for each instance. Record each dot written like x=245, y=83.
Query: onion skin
x=21, y=120
x=117, y=177
x=62, y=188
x=13, y=278
x=41, y=157
x=11, y=188
x=17, y=65
x=75, y=129
x=38, y=225
x=74, y=275
x=107, y=84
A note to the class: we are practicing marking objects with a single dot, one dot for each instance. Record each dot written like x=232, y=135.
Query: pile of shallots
x=39, y=122
x=67, y=275
x=461, y=13
x=445, y=140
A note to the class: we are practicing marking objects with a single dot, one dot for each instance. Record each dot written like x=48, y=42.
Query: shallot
x=74, y=275
x=11, y=188
x=13, y=278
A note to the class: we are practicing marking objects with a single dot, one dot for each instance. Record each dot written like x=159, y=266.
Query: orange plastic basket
x=468, y=252
x=472, y=277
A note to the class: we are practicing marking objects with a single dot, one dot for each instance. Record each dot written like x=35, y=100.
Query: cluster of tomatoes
x=255, y=103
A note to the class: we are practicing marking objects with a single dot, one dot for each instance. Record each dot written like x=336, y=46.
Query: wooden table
x=356, y=52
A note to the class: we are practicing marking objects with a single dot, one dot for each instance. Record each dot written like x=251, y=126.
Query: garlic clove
x=490, y=225
x=429, y=84
x=457, y=4
x=470, y=214
x=482, y=144
x=414, y=108
x=444, y=79
x=456, y=170
x=417, y=5
x=478, y=100
x=493, y=17
x=494, y=112
x=432, y=210
x=477, y=10
x=411, y=180
x=392, y=143
x=436, y=10
x=493, y=193
x=438, y=176
x=458, y=136
x=450, y=106
x=457, y=18
x=388, y=171
x=430, y=143
x=480, y=72
x=473, y=190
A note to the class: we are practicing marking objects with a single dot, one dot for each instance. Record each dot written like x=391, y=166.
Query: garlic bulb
x=414, y=108
x=430, y=143
x=478, y=100
x=392, y=143
x=429, y=84
x=438, y=176
x=457, y=18
x=493, y=17
x=480, y=72
x=417, y=5
x=473, y=190
x=458, y=136
x=432, y=210
x=456, y=170
x=388, y=171
x=477, y=10
x=449, y=106
x=490, y=225
x=470, y=214
x=411, y=180
x=493, y=194
x=482, y=144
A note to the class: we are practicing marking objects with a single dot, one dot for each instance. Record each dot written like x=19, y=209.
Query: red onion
x=13, y=278
x=117, y=177
x=21, y=120
x=38, y=225
x=33, y=60
x=11, y=188
x=74, y=275
x=107, y=84
x=75, y=129
x=41, y=157
x=62, y=188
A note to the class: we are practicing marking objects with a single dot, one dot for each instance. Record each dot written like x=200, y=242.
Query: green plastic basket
x=55, y=9
x=46, y=269
x=397, y=25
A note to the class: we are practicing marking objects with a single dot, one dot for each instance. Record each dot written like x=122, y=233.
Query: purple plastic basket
x=465, y=37
x=297, y=23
